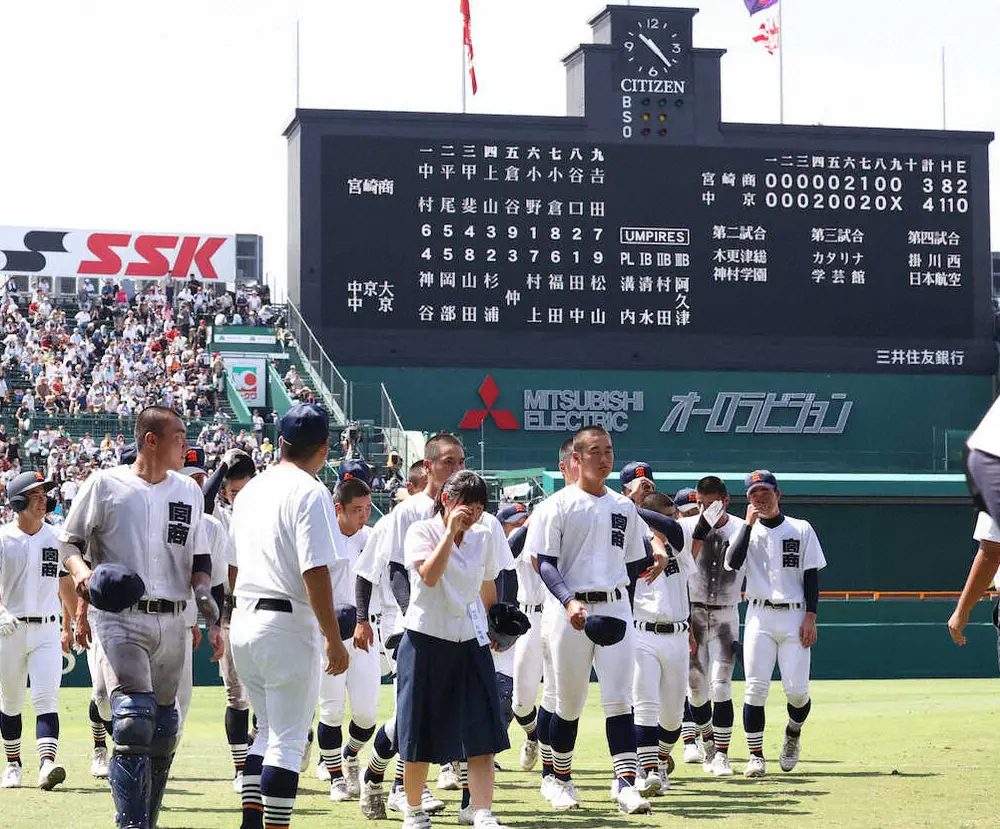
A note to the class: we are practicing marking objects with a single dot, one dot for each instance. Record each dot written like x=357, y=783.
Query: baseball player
x=589, y=542
x=686, y=504
x=783, y=559
x=30, y=648
x=235, y=471
x=661, y=615
x=510, y=517
x=99, y=711
x=715, y=621
x=982, y=462
x=637, y=481
x=220, y=545
x=285, y=538
x=985, y=568
x=145, y=518
x=361, y=681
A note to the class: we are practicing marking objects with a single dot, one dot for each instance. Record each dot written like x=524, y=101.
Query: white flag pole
x=781, y=64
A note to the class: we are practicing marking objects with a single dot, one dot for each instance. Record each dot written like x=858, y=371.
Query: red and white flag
x=467, y=40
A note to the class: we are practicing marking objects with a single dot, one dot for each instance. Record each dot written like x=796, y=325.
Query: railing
x=395, y=436
x=327, y=381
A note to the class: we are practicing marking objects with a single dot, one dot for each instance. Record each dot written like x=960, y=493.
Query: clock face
x=655, y=47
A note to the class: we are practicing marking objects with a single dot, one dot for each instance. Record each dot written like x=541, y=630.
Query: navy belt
x=597, y=596
x=36, y=620
x=160, y=606
x=276, y=605
x=662, y=627
x=532, y=608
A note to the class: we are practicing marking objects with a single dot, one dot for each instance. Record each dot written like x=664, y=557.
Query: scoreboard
x=595, y=241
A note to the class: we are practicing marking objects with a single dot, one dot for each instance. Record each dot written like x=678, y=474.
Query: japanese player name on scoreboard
x=479, y=236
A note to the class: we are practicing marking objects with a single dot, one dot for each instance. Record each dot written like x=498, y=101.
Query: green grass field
x=904, y=753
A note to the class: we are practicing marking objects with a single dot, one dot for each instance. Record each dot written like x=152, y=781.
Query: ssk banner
x=118, y=254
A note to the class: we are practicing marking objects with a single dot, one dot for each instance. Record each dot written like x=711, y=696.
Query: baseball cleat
x=448, y=778
x=418, y=820
x=352, y=771
x=790, y=750
x=720, y=765
x=372, y=801
x=307, y=755
x=99, y=763
x=651, y=785
x=709, y=749
x=237, y=783
x=338, y=790
x=547, y=789
x=484, y=819
x=429, y=803
x=397, y=800
x=529, y=754
x=756, y=767
x=631, y=802
x=50, y=775
x=11, y=776
x=693, y=753
x=466, y=817
x=322, y=772
x=563, y=795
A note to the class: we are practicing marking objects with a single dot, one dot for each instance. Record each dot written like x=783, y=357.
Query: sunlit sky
x=168, y=117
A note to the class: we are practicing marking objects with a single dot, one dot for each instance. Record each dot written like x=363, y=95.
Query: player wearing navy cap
x=783, y=558
x=355, y=468
x=686, y=503
x=283, y=529
x=637, y=481
x=30, y=590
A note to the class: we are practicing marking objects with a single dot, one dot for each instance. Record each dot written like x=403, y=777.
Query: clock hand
x=656, y=50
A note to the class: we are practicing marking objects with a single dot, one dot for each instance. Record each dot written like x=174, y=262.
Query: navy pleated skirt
x=447, y=707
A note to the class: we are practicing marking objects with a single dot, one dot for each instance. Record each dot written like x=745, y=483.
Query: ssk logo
x=133, y=255
x=488, y=393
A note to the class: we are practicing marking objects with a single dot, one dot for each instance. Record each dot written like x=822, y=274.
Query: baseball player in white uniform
x=283, y=526
x=220, y=545
x=661, y=611
x=361, y=682
x=715, y=620
x=147, y=518
x=30, y=647
x=589, y=542
x=532, y=658
x=783, y=559
x=985, y=569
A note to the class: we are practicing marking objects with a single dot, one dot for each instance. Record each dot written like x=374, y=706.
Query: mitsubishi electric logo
x=488, y=393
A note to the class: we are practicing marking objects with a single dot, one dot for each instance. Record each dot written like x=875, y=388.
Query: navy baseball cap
x=605, y=630
x=355, y=469
x=511, y=513
x=114, y=587
x=686, y=498
x=306, y=424
x=194, y=461
x=637, y=469
x=129, y=454
x=760, y=477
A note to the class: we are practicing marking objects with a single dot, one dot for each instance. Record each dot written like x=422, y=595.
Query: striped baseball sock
x=542, y=732
x=620, y=731
x=647, y=742
x=382, y=753
x=702, y=716
x=668, y=739
x=237, y=726
x=753, y=727
x=562, y=738
x=797, y=716
x=97, y=728
x=253, y=805
x=10, y=730
x=689, y=733
x=397, y=781
x=722, y=724
x=278, y=788
x=356, y=738
x=463, y=778
x=329, y=738
x=529, y=722
x=47, y=737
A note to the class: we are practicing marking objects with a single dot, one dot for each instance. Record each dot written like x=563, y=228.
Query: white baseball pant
x=99, y=688
x=528, y=666
x=360, y=682
x=275, y=654
x=660, y=679
x=35, y=651
x=711, y=676
x=773, y=635
x=185, y=688
x=143, y=652
x=573, y=654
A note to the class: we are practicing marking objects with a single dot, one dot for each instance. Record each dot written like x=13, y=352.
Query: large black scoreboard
x=640, y=232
